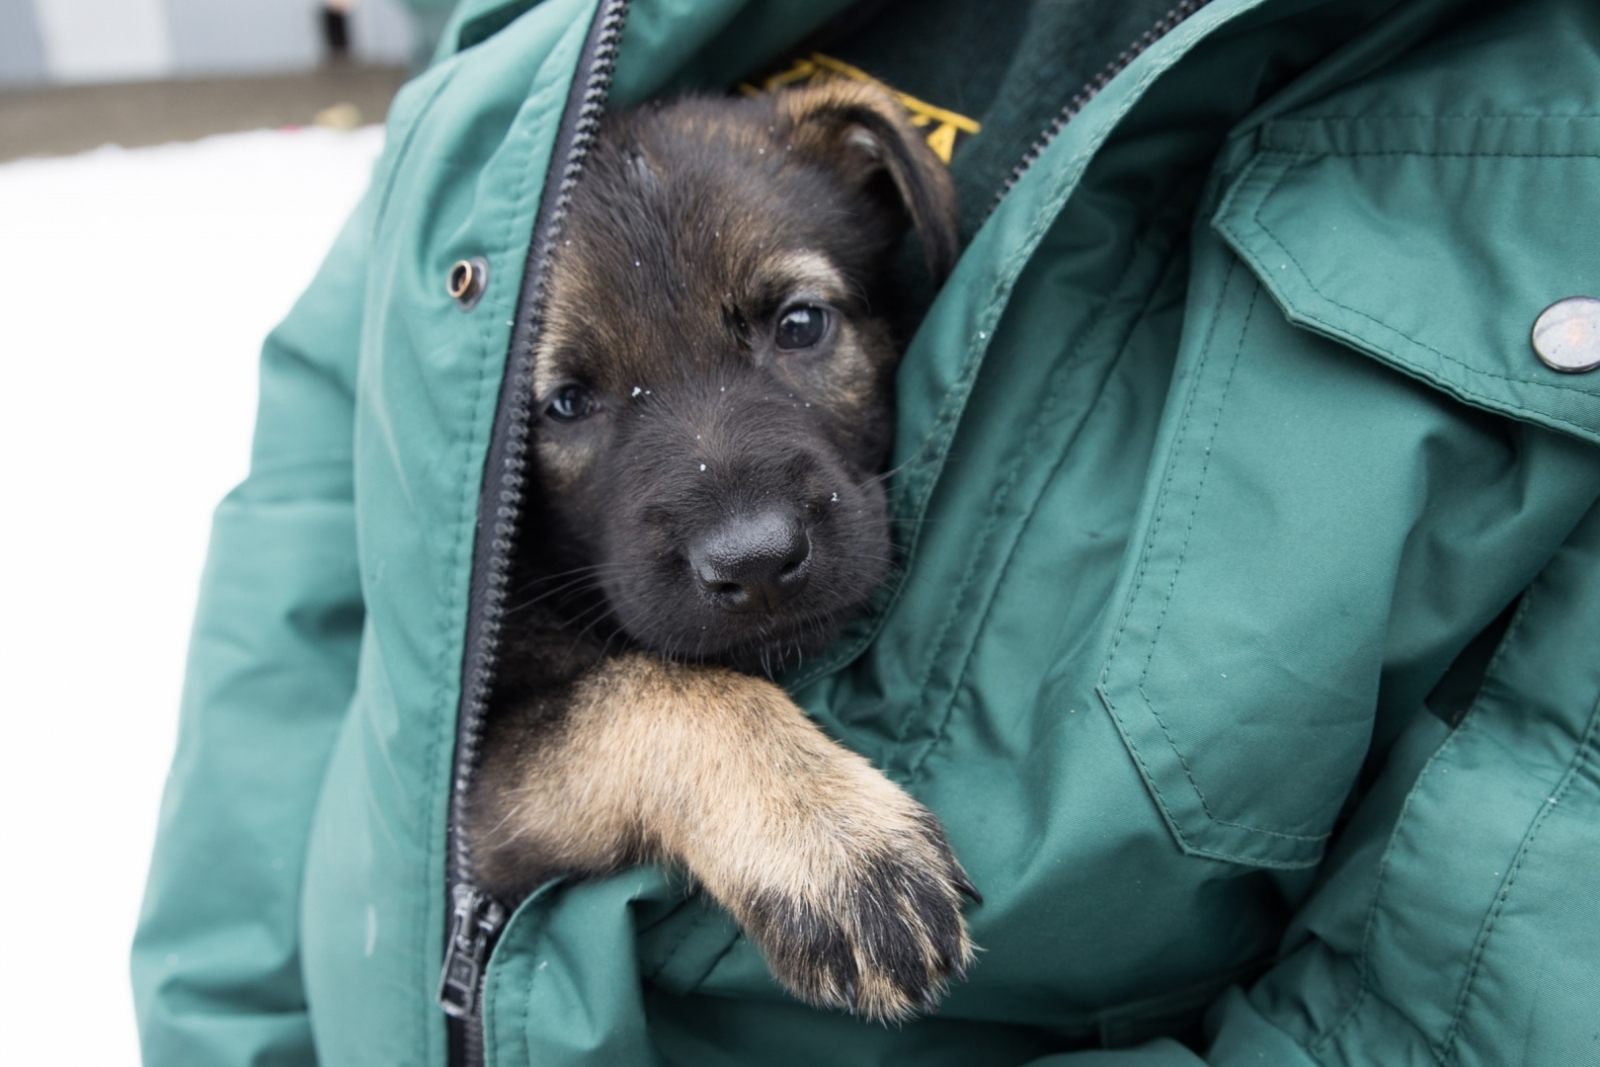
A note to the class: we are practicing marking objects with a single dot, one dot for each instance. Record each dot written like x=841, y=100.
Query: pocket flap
x=1432, y=244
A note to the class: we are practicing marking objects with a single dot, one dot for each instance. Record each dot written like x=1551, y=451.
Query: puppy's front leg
x=843, y=881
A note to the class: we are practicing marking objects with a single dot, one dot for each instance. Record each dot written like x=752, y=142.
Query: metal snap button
x=1566, y=335
x=467, y=280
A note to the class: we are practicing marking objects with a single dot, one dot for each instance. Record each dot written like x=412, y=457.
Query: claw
x=969, y=889
x=960, y=972
x=930, y=1003
x=850, y=995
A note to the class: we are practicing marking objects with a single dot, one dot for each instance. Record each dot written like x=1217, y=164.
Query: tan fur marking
x=808, y=274
x=721, y=773
x=545, y=372
x=561, y=467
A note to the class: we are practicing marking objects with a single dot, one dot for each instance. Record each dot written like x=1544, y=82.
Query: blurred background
x=64, y=42
x=171, y=172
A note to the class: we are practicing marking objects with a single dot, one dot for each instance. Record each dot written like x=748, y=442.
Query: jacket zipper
x=1163, y=26
x=476, y=919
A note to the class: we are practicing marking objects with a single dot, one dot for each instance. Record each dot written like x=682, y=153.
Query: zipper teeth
x=513, y=474
x=1163, y=26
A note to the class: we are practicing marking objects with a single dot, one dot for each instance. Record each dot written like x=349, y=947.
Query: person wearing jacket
x=1248, y=644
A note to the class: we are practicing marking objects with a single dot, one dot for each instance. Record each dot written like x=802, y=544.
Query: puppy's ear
x=861, y=132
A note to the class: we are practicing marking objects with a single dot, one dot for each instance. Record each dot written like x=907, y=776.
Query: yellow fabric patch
x=947, y=125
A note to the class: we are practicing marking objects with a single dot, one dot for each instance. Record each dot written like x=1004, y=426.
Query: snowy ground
x=135, y=288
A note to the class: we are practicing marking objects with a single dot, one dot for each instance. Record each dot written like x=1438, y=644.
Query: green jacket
x=1248, y=649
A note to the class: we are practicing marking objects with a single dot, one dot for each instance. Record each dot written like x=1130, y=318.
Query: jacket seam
x=531, y=968
x=1364, y=963
x=1171, y=473
x=1003, y=493
x=1319, y=1050
x=1056, y=391
x=690, y=928
x=1144, y=560
x=1183, y=551
x=1447, y=1046
x=1197, y=492
x=496, y=1024
x=1181, y=445
x=404, y=148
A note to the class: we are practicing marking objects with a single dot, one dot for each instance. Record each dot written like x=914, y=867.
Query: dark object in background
x=336, y=32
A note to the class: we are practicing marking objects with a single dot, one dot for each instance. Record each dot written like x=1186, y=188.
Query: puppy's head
x=712, y=389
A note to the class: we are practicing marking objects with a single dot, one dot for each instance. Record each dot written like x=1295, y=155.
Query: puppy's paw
x=842, y=880
x=870, y=921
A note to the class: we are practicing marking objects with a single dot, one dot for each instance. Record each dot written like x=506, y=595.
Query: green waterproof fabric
x=1216, y=453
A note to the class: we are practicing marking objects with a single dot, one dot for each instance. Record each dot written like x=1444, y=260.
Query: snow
x=135, y=288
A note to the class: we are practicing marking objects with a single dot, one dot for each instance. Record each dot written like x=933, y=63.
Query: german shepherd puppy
x=713, y=397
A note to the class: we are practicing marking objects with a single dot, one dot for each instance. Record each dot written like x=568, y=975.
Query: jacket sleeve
x=1454, y=921
x=272, y=662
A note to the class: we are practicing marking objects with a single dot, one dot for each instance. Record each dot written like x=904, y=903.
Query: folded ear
x=860, y=131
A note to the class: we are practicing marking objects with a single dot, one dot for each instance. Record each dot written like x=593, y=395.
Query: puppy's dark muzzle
x=753, y=563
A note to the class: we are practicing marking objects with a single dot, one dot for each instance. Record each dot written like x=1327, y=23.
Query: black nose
x=753, y=562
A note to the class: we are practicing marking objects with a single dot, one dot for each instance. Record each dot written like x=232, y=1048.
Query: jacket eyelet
x=467, y=280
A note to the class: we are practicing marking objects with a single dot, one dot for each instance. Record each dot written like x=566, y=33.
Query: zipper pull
x=474, y=924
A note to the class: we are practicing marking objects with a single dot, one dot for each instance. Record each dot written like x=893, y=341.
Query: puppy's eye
x=571, y=402
x=801, y=327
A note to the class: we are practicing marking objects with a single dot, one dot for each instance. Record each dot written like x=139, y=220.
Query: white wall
x=103, y=40
x=74, y=41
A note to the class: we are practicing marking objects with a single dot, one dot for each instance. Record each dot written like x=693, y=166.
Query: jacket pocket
x=1432, y=244
x=1248, y=659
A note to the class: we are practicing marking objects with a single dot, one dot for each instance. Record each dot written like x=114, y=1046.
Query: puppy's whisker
x=920, y=520
x=605, y=649
x=572, y=588
x=599, y=610
x=894, y=472
x=538, y=580
x=583, y=574
x=578, y=638
x=586, y=579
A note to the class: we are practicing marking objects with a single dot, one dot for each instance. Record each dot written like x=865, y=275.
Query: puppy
x=713, y=395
